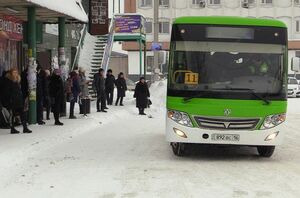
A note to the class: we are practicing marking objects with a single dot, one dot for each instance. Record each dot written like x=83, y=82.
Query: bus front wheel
x=178, y=148
x=265, y=151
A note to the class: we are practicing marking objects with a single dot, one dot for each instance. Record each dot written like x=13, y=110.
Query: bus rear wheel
x=265, y=151
x=178, y=148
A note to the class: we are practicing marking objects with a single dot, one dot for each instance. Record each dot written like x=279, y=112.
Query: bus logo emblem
x=227, y=112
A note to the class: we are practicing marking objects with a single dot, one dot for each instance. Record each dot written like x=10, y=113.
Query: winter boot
x=14, y=131
x=26, y=130
x=58, y=123
x=41, y=123
x=72, y=117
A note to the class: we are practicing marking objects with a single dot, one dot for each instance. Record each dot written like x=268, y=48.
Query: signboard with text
x=98, y=17
x=12, y=27
x=128, y=24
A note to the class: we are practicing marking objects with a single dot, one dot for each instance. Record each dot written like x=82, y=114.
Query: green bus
x=227, y=83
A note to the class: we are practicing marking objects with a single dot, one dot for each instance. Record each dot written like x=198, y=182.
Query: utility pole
x=113, y=7
x=155, y=38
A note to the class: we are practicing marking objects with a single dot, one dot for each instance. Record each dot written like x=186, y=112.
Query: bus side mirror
x=295, y=64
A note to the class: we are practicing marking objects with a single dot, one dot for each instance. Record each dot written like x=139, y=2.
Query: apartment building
x=287, y=11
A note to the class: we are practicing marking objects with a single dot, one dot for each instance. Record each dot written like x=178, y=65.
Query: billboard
x=11, y=27
x=129, y=24
x=98, y=17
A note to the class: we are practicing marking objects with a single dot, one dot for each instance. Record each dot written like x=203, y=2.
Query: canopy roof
x=47, y=11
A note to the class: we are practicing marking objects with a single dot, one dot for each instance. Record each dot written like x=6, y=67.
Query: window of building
x=164, y=3
x=267, y=2
x=298, y=54
x=298, y=26
x=150, y=63
x=164, y=27
x=248, y=3
x=214, y=2
x=148, y=26
x=198, y=3
x=145, y=3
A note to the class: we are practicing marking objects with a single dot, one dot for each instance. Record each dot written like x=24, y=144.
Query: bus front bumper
x=230, y=137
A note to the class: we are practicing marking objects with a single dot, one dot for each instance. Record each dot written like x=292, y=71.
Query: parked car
x=293, y=88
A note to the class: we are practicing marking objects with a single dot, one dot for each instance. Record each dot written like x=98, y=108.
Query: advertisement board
x=128, y=24
x=98, y=17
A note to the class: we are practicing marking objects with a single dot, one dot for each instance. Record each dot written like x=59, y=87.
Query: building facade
x=287, y=11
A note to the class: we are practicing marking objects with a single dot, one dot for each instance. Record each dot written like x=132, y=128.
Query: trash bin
x=85, y=106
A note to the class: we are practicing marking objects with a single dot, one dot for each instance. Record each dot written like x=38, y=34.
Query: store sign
x=12, y=27
x=128, y=24
x=98, y=17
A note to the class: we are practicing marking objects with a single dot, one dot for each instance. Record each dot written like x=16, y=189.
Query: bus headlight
x=273, y=120
x=180, y=117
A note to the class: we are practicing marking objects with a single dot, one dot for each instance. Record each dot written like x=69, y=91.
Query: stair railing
x=108, y=47
x=80, y=46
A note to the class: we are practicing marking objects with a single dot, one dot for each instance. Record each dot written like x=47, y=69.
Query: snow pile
x=87, y=52
x=158, y=93
x=72, y=8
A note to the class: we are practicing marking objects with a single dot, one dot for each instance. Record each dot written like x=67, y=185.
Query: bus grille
x=226, y=124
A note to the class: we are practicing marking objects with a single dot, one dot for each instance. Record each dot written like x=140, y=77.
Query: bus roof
x=228, y=20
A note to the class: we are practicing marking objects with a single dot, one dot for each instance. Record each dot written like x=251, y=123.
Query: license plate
x=226, y=137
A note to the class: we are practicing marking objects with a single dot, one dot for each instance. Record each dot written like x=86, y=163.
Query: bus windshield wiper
x=188, y=98
x=266, y=101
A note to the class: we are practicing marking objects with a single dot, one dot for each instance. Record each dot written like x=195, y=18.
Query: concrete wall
x=119, y=64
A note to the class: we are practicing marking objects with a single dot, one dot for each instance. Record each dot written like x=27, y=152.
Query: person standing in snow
x=75, y=92
x=84, y=84
x=109, y=87
x=12, y=99
x=56, y=92
x=141, y=93
x=121, y=88
x=99, y=87
x=40, y=94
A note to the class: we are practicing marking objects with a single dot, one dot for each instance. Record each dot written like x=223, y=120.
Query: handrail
x=80, y=46
x=108, y=47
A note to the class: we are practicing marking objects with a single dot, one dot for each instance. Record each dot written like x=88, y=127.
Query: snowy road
x=124, y=155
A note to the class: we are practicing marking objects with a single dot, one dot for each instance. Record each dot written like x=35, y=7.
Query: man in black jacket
x=121, y=87
x=109, y=87
x=99, y=87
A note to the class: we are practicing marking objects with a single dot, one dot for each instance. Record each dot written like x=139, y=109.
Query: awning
x=47, y=11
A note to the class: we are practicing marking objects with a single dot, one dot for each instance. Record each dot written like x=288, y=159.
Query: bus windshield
x=209, y=66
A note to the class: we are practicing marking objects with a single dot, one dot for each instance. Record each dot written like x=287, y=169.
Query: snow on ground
x=121, y=154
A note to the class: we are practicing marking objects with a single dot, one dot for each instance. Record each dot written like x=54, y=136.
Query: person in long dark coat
x=109, y=87
x=121, y=88
x=99, y=87
x=25, y=92
x=12, y=99
x=40, y=94
x=141, y=93
x=75, y=89
x=56, y=91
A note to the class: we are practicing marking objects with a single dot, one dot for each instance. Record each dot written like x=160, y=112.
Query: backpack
x=69, y=85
